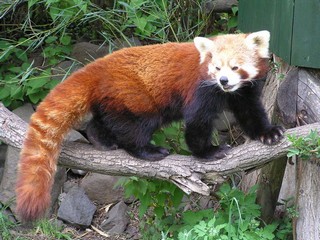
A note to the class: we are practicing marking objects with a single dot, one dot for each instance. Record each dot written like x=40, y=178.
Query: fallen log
x=187, y=172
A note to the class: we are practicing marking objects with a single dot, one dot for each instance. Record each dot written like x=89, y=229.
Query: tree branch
x=187, y=172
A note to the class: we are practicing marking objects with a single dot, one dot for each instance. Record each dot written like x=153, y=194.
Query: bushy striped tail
x=61, y=109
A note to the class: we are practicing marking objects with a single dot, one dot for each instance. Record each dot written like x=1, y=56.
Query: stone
x=117, y=219
x=76, y=208
x=3, y=155
x=133, y=41
x=24, y=112
x=63, y=69
x=86, y=52
x=68, y=185
x=7, y=185
x=100, y=188
x=75, y=136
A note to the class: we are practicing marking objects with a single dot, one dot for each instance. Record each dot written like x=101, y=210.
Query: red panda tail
x=61, y=109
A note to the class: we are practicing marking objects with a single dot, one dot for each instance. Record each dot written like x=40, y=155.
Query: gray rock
x=75, y=136
x=69, y=185
x=3, y=155
x=117, y=219
x=37, y=58
x=76, y=208
x=85, y=52
x=64, y=69
x=24, y=112
x=7, y=185
x=59, y=180
x=100, y=188
x=133, y=41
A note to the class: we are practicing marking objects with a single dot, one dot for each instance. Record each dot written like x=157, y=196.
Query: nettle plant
x=305, y=147
x=20, y=81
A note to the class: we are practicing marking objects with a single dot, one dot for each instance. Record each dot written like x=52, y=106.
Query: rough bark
x=307, y=172
x=220, y=5
x=269, y=178
x=307, y=200
x=187, y=172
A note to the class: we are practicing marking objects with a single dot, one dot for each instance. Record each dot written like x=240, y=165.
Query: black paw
x=272, y=136
x=149, y=152
x=213, y=153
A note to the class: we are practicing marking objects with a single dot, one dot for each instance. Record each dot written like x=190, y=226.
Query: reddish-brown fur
x=140, y=79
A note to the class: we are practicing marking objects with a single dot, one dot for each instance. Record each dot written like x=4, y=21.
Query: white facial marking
x=250, y=69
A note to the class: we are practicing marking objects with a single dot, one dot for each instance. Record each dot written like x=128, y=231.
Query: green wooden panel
x=273, y=15
x=306, y=34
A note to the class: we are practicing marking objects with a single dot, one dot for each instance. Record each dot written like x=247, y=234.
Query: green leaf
x=32, y=2
x=37, y=97
x=17, y=93
x=51, y=39
x=5, y=92
x=141, y=23
x=234, y=10
x=21, y=54
x=38, y=82
x=233, y=22
x=145, y=202
x=159, y=211
x=65, y=40
x=52, y=83
x=15, y=69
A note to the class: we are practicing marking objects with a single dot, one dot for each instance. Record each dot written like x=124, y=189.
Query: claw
x=273, y=135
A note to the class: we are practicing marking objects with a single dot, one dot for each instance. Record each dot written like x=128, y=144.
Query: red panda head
x=235, y=59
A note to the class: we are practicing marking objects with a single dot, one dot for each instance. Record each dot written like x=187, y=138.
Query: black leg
x=252, y=117
x=130, y=132
x=199, y=137
x=199, y=116
x=100, y=136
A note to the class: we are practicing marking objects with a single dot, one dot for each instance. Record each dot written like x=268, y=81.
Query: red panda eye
x=235, y=68
x=218, y=68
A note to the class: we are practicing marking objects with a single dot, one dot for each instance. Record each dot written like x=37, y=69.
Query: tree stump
x=269, y=178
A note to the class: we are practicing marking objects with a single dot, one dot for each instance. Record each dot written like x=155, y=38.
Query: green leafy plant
x=5, y=224
x=158, y=194
x=159, y=201
x=172, y=138
x=19, y=80
x=163, y=20
x=238, y=218
x=146, y=16
x=305, y=147
x=51, y=229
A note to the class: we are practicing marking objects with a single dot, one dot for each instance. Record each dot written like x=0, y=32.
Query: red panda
x=134, y=91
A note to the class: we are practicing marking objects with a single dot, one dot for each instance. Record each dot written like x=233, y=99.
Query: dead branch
x=187, y=172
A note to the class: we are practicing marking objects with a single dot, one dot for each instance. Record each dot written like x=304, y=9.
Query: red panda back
x=144, y=79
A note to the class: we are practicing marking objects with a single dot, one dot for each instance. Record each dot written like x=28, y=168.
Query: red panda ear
x=203, y=45
x=260, y=42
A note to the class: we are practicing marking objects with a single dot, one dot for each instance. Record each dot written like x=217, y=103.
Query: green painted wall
x=294, y=27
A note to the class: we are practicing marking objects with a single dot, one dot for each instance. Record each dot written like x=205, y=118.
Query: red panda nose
x=223, y=80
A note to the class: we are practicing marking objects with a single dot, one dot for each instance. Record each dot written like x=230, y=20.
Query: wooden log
x=269, y=178
x=219, y=5
x=307, y=172
x=187, y=172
